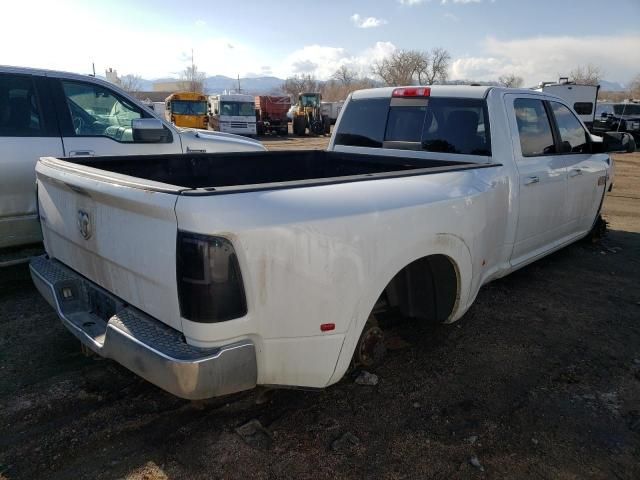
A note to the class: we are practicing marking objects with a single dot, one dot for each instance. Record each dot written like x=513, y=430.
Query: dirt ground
x=540, y=379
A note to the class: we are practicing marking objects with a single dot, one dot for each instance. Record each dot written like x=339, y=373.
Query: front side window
x=96, y=111
x=572, y=135
x=20, y=114
x=534, y=128
x=189, y=107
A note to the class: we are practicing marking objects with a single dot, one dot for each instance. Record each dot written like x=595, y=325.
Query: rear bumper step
x=140, y=343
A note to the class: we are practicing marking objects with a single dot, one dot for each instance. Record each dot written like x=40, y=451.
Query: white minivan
x=47, y=113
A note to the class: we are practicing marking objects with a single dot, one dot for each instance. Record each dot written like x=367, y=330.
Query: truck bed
x=210, y=173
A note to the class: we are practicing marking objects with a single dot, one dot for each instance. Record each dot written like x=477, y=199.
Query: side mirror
x=216, y=111
x=150, y=130
x=604, y=115
x=565, y=147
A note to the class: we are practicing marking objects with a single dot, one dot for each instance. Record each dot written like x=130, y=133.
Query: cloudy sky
x=538, y=40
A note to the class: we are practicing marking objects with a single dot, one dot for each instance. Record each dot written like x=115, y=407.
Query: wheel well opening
x=426, y=289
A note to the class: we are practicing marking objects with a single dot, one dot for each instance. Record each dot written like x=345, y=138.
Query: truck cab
x=233, y=113
x=44, y=113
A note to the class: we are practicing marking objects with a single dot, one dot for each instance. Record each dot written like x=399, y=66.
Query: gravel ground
x=540, y=379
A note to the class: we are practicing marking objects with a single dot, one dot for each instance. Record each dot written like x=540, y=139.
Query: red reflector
x=326, y=327
x=412, y=92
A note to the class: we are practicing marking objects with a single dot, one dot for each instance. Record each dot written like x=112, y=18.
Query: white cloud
x=200, y=23
x=322, y=61
x=546, y=58
x=451, y=16
x=460, y=1
x=367, y=22
x=411, y=3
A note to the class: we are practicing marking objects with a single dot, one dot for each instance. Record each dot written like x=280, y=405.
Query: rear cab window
x=432, y=124
x=20, y=113
x=534, y=127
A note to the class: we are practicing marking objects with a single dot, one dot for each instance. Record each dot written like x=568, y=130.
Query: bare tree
x=511, y=81
x=436, y=68
x=586, y=74
x=130, y=83
x=300, y=83
x=634, y=87
x=333, y=90
x=407, y=67
x=400, y=68
x=193, y=79
x=345, y=75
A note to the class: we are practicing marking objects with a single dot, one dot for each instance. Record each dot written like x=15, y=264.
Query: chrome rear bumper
x=142, y=344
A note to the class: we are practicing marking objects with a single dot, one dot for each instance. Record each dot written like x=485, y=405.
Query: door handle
x=575, y=172
x=531, y=180
x=81, y=153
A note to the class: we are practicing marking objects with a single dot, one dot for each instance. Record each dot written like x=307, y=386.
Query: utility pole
x=239, y=89
x=193, y=73
x=93, y=65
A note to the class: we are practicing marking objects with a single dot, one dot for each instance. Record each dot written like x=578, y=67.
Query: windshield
x=604, y=108
x=310, y=100
x=627, y=109
x=241, y=109
x=189, y=107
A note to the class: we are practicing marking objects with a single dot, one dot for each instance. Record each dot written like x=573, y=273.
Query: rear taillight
x=412, y=92
x=210, y=287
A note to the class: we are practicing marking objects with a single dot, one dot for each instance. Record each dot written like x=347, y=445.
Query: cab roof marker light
x=411, y=92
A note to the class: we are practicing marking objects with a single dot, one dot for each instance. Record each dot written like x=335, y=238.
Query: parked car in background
x=265, y=268
x=44, y=113
x=618, y=117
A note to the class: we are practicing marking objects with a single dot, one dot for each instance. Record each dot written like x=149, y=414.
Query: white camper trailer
x=581, y=97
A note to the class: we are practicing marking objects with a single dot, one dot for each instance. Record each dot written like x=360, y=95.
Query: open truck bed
x=219, y=173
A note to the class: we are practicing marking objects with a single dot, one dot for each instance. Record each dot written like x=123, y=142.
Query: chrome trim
x=185, y=371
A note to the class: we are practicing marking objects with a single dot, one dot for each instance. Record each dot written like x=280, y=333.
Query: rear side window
x=363, y=123
x=572, y=135
x=583, y=108
x=20, y=114
x=534, y=128
x=449, y=125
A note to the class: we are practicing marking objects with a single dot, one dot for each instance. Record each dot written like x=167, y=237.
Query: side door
x=542, y=178
x=96, y=120
x=28, y=131
x=586, y=171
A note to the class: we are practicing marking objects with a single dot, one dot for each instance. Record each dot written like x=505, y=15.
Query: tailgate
x=121, y=237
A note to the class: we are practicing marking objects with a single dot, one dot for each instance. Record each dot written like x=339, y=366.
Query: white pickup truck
x=208, y=274
x=59, y=114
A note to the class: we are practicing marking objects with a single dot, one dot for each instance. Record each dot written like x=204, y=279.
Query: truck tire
x=631, y=145
x=326, y=122
x=299, y=126
x=370, y=349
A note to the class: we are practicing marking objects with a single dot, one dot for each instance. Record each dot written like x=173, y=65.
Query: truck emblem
x=84, y=224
